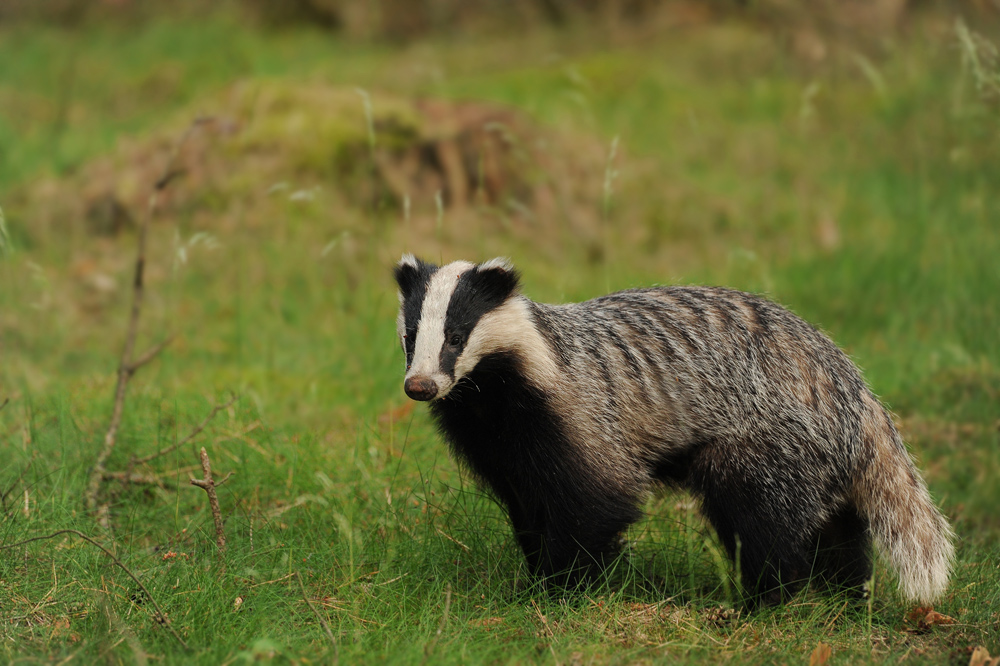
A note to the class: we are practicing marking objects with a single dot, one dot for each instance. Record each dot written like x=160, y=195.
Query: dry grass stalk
x=322, y=620
x=161, y=617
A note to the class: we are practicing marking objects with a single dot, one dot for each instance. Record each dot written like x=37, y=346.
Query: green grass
x=866, y=207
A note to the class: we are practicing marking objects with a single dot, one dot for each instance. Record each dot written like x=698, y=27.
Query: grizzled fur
x=568, y=413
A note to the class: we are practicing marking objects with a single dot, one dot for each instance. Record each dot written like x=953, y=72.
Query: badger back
x=452, y=316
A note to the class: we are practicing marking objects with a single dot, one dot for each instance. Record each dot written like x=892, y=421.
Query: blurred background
x=836, y=155
x=842, y=157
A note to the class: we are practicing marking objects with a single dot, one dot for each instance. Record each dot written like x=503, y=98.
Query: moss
x=319, y=129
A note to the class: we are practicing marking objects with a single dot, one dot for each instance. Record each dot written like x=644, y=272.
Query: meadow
x=855, y=184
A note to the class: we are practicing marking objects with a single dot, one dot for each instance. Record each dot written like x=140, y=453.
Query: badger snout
x=420, y=388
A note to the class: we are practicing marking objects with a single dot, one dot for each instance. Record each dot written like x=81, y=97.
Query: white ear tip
x=498, y=262
x=408, y=260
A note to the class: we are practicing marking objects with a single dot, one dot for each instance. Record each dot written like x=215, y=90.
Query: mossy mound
x=379, y=155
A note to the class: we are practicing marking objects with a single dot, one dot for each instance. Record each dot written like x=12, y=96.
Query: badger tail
x=906, y=526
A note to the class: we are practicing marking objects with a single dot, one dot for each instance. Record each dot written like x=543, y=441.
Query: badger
x=568, y=414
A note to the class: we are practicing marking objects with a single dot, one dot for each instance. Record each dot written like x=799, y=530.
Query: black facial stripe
x=413, y=285
x=476, y=293
x=449, y=356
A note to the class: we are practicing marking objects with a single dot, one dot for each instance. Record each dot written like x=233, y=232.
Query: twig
x=323, y=623
x=4, y=403
x=135, y=478
x=161, y=617
x=447, y=609
x=150, y=354
x=208, y=484
x=128, y=365
x=191, y=435
x=161, y=479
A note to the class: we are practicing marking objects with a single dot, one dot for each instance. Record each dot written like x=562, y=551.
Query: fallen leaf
x=981, y=657
x=820, y=655
x=925, y=618
x=934, y=617
x=918, y=613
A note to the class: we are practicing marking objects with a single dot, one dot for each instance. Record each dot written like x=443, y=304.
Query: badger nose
x=420, y=388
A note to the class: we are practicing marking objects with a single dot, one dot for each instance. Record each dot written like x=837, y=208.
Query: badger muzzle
x=420, y=388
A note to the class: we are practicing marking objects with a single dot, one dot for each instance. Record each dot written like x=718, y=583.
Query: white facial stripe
x=401, y=325
x=430, y=329
x=510, y=328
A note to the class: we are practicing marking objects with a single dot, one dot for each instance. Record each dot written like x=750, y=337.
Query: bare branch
x=162, y=479
x=127, y=365
x=150, y=354
x=322, y=621
x=208, y=485
x=161, y=617
x=167, y=178
x=134, y=478
x=191, y=435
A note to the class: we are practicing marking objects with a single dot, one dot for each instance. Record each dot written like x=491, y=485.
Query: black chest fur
x=564, y=514
x=501, y=427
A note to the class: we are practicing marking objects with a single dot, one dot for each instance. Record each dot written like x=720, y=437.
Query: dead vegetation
x=386, y=155
x=160, y=617
x=405, y=20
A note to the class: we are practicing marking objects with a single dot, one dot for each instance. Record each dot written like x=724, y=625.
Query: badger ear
x=496, y=280
x=410, y=272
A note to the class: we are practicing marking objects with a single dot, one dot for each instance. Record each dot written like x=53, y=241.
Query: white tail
x=905, y=524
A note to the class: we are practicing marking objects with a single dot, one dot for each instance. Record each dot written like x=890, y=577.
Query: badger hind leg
x=772, y=568
x=843, y=559
x=765, y=513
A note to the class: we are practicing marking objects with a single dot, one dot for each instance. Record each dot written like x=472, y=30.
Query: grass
x=857, y=191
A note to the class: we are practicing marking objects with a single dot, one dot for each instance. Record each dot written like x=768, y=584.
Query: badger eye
x=455, y=340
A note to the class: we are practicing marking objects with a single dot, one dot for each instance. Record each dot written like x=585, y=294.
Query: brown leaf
x=925, y=618
x=820, y=655
x=933, y=617
x=918, y=613
x=981, y=657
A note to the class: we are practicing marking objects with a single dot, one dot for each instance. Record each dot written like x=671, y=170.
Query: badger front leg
x=569, y=539
x=561, y=556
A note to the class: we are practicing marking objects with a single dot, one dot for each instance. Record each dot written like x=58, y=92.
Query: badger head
x=451, y=317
